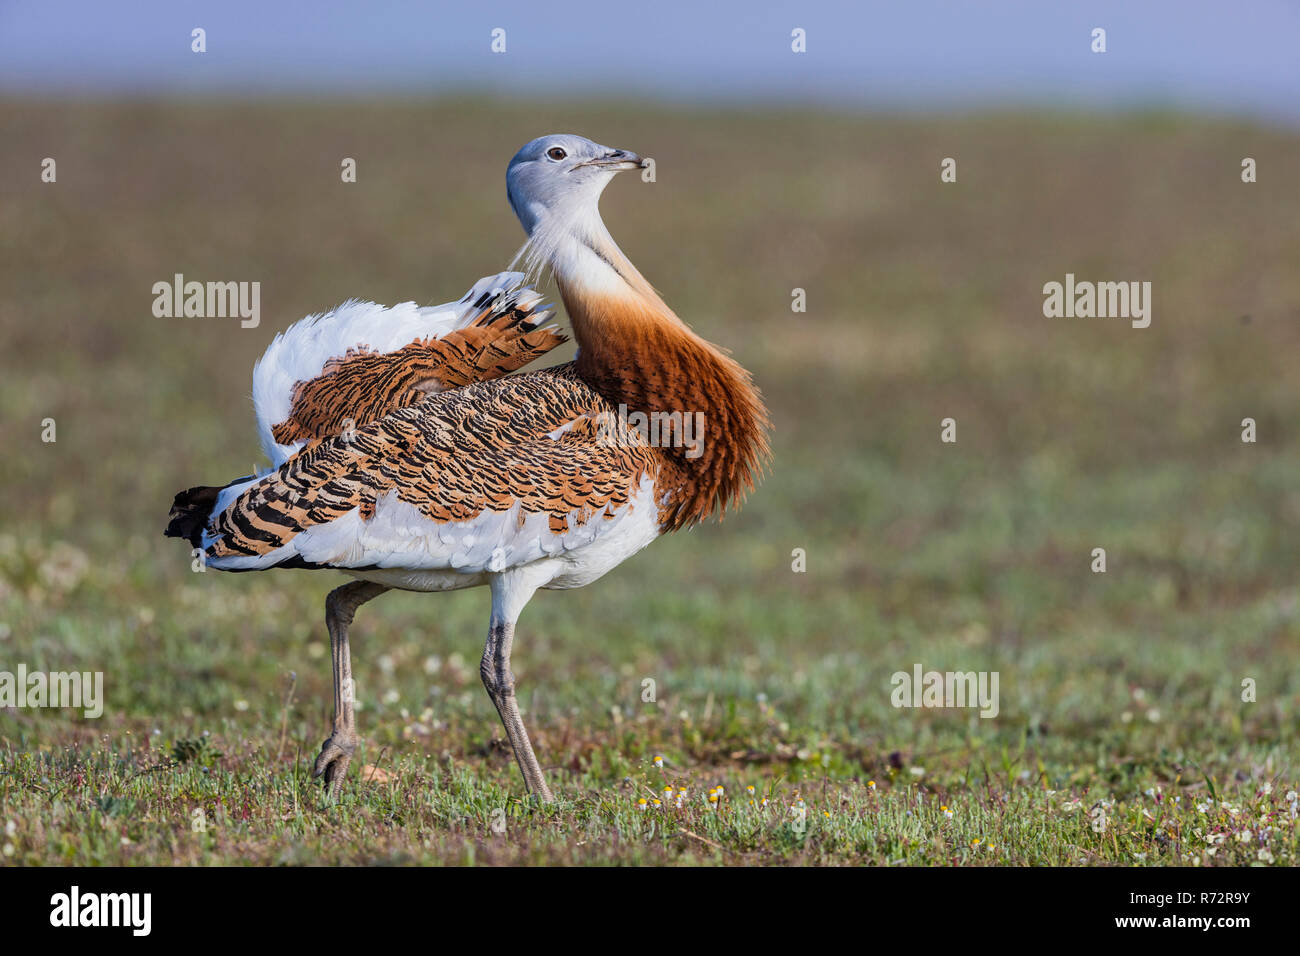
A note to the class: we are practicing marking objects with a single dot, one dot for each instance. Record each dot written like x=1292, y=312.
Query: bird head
x=560, y=176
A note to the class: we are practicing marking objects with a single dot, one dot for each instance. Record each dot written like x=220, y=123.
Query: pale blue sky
x=1226, y=57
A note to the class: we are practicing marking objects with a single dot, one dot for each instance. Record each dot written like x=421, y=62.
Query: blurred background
x=776, y=170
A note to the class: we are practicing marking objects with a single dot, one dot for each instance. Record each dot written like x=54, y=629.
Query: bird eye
x=556, y=153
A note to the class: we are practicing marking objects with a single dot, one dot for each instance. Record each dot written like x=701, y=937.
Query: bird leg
x=500, y=683
x=336, y=752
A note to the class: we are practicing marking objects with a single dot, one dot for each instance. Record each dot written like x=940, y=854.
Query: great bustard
x=404, y=455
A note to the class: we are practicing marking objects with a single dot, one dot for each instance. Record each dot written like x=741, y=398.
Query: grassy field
x=1122, y=736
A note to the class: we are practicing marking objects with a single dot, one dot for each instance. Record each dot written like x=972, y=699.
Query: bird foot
x=332, y=763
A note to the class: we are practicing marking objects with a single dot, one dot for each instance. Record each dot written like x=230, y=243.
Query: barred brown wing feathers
x=524, y=443
x=363, y=385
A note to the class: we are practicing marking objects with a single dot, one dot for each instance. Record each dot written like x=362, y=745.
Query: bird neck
x=583, y=255
x=636, y=352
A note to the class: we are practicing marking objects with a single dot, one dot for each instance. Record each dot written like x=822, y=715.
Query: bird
x=409, y=452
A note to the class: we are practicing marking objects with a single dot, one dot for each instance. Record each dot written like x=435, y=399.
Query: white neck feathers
x=576, y=245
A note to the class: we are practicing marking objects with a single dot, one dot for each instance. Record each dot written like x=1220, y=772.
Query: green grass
x=1120, y=691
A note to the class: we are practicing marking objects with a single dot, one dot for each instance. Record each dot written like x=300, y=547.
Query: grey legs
x=336, y=752
x=500, y=684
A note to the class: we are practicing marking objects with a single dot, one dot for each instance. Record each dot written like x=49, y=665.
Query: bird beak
x=616, y=160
